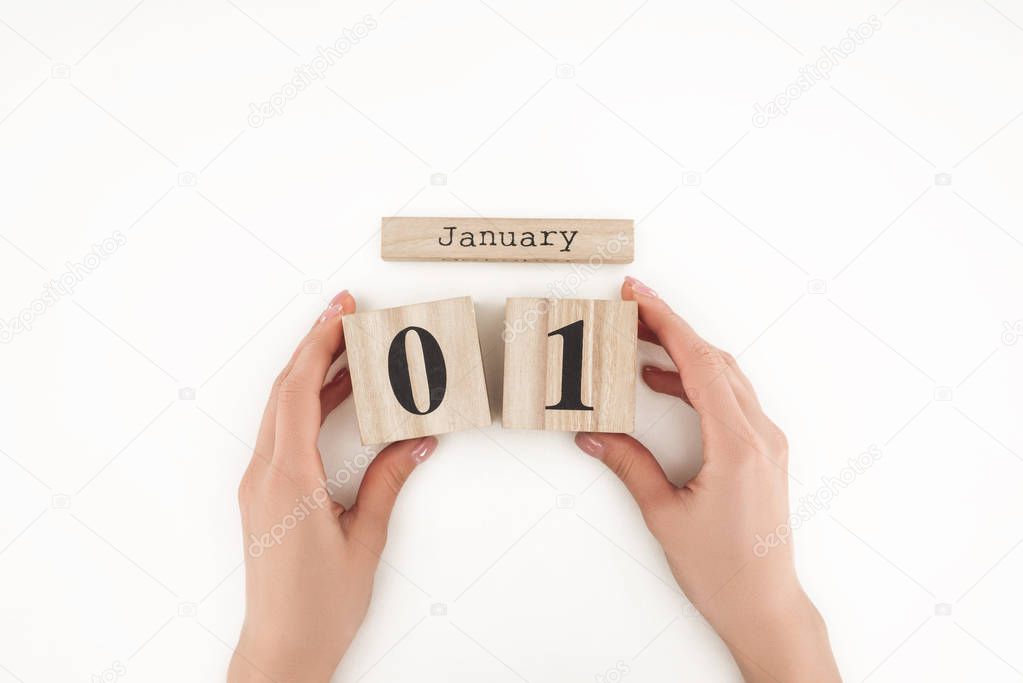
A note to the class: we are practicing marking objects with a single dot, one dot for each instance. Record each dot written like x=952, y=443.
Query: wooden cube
x=416, y=370
x=570, y=365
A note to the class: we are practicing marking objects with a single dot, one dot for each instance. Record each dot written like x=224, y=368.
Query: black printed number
x=571, y=367
x=436, y=372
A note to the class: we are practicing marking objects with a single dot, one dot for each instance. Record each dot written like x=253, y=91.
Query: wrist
x=257, y=659
x=785, y=641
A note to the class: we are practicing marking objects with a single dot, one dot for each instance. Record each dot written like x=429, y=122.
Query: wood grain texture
x=369, y=336
x=564, y=240
x=533, y=363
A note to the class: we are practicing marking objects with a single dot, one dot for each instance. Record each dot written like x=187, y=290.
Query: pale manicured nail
x=333, y=311
x=639, y=288
x=590, y=444
x=424, y=449
x=340, y=295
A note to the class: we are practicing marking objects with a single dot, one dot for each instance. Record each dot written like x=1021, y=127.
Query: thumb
x=381, y=485
x=634, y=464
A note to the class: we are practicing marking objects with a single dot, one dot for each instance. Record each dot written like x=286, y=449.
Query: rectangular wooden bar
x=566, y=240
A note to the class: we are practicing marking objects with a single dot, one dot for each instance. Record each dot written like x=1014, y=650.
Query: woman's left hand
x=309, y=563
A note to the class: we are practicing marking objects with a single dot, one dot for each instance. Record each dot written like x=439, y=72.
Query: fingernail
x=340, y=295
x=639, y=288
x=590, y=444
x=333, y=311
x=424, y=449
x=335, y=308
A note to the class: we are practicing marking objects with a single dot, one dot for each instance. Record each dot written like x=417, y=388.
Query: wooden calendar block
x=570, y=365
x=416, y=370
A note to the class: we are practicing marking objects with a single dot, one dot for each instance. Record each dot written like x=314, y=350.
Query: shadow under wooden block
x=416, y=370
x=570, y=365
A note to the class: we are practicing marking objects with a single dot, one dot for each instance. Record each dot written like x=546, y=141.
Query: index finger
x=297, y=423
x=700, y=365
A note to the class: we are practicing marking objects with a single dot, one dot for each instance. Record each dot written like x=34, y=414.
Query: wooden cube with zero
x=570, y=365
x=416, y=370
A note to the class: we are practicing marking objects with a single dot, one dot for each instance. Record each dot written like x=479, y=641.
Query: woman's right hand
x=710, y=527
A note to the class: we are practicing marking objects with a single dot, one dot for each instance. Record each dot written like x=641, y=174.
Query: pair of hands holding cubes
x=307, y=595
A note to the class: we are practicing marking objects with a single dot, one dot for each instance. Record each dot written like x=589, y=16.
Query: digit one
x=571, y=367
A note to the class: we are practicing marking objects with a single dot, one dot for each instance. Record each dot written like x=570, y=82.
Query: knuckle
x=621, y=466
x=246, y=488
x=286, y=397
x=759, y=444
x=243, y=492
x=394, y=478
x=283, y=479
x=707, y=355
x=279, y=380
x=728, y=428
x=779, y=441
x=749, y=438
x=312, y=340
x=290, y=384
x=290, y=390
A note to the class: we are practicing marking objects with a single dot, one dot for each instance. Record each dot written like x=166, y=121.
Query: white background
x=870, y=305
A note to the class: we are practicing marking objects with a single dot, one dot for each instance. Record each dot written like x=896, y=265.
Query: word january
x=479, y=238
x=493, y=238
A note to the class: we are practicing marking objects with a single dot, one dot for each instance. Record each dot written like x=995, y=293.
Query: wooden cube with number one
x=416, y=370
x=570, y=365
